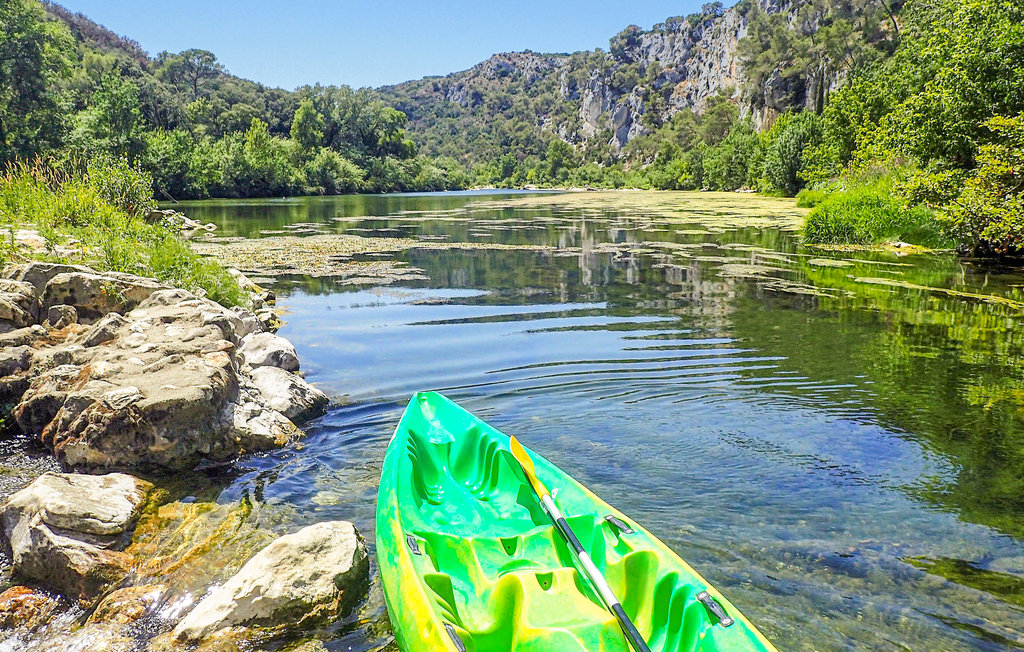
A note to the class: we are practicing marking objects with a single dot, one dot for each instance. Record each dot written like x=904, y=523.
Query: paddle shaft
x=628, y=628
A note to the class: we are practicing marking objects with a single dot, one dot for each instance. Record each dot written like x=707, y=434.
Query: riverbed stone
x=309, y=576
x=127, y=604
x=66, y=530
x=289, y=394
x=269, y=350
x=27, y=608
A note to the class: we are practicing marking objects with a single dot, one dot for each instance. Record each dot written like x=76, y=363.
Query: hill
x=765, y=56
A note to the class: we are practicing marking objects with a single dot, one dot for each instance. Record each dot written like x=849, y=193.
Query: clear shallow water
x=838, y=446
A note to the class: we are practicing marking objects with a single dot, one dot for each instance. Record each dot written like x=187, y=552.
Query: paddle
x=628, y=628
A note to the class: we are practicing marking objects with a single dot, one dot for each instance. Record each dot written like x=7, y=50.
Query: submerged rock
x=66, y=530
x=310, y=576
x=26, y=608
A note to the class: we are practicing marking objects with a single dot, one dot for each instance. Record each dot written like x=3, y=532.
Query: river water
x=834, y=439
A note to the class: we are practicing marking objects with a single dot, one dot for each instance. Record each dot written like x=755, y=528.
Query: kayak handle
x=619, y=524
x=712, y=605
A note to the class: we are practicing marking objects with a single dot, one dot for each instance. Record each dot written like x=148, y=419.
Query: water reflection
x=835, y=439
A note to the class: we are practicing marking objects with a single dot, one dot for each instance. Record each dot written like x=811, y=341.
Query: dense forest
x=895, y=120
x=70, y=88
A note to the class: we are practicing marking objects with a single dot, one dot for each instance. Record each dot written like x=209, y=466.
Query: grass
x=94, y=215
x=867, y=211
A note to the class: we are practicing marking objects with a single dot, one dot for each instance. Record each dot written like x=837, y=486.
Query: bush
x=871, y=213
x=101, y=211
x=811, y=197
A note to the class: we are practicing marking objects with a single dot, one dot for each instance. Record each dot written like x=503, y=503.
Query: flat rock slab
x=310, y=576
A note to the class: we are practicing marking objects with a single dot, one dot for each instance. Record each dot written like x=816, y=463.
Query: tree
x=559, y=155
x=307, y=126
x=34, y=58
x=113, y=122
x=190, y=68
x=989, y=214
x=787, y=141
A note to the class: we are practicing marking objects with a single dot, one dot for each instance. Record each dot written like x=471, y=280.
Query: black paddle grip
x=629, y=629
x=569, y=535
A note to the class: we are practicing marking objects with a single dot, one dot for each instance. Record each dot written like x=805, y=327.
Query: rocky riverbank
x=132, y=385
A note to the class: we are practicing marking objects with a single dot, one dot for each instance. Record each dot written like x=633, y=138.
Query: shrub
x=811, y=197
x=988, y=216
x=865, y=214
x=101, y=211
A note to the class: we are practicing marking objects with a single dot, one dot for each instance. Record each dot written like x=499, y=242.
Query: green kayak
x=471, y=562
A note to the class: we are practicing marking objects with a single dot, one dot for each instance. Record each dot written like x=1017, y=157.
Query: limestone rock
x=65, y=530
x=310, y=576
x=60, y=316
x=19, y=306
x=15, y=359
x=157, y=388
x=94, y=295
x=38, y=273
x=289, y=394
x=269, y=350
x=164, y=386
x=104, y=330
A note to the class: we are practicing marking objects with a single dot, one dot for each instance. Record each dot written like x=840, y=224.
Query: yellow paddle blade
x=524, y=460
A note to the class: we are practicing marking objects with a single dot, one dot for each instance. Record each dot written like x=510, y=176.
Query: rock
x=267, y=349
x=157, y=388
x=22, y=336
x=66, y=530
x=95, y=295
x=289, y=394
x=15, y=359
x=271, y=322
x=310, y=576
x=104, y=330
x=38, y=273
x=43, y=398
x=19, y=306
x=25, y=608
x=60, y=316
x=250, y=323
x=128, y=604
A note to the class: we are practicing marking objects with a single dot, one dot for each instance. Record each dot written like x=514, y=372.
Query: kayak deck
x=469, y=558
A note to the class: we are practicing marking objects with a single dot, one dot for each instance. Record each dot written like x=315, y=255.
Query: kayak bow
x=471, y=563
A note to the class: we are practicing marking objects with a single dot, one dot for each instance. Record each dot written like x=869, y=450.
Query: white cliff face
x=607, y=94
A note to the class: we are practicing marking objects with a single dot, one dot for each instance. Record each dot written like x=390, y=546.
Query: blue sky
x=294, y=42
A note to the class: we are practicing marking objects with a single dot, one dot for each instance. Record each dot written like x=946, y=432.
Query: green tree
x=560, y=155
x=988, y=216
x=113, y=122
x=190, y=69
x=34, y=59
x=787, y=144
x=307, y=126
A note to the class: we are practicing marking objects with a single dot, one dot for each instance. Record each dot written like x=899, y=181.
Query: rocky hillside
x=519, y=101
